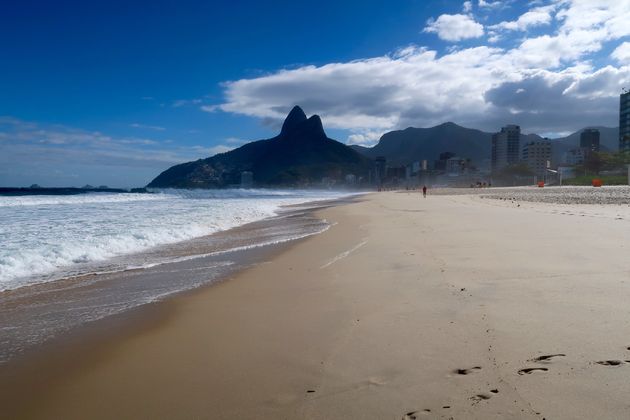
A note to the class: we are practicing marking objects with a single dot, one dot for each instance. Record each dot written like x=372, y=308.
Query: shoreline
x=34, y=314
x=87, y=344
x=444, y=307
x=41, y=366
x=105, y=233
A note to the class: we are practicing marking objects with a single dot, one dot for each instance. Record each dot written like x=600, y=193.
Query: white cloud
x=467, y=7
x=605, y=19
x=622, y=53
x=366, y=138
x=599, y=84
x=148, y=127
x=210, y=108
x=535, y=17
x=375, y=94
x=454, y=27
x=547, y=82
x=494, y=38
x=490, y=4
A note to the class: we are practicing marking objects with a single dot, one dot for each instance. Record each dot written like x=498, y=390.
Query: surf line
x=344, y=254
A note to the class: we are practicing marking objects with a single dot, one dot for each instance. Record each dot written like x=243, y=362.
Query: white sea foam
x=45, y=234
x=90, y=198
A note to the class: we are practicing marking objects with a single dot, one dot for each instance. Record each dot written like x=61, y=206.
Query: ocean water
x=46, y=238
x=70, y=260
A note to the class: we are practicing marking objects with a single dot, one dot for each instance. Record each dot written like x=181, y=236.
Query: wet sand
x=36, y=313
x=446, y=307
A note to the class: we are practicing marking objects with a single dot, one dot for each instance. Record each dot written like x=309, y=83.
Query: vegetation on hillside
x=598, y=162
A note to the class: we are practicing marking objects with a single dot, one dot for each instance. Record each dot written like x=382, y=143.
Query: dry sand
x=405, y=308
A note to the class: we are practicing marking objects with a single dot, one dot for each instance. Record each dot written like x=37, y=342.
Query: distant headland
x=302, y=155
x=37, y=190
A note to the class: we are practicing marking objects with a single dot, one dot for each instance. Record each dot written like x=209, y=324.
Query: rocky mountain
x=416, y=144
x=301, y=154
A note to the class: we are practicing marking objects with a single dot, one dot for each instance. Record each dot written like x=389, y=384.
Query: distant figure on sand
x=424, y=191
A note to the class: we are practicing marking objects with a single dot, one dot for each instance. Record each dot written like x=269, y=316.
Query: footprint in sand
x=467, y=371
x=547, y=357
x=530, y=370
x=610, y=362
x=413, y=415
x=476, y=399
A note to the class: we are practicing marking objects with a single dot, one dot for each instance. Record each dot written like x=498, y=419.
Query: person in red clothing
x=424, y=191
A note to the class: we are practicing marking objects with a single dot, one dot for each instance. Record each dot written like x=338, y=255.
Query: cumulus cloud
x=467, y=6
x=379, y=93
x=545, y=100
x=604, y=19
x=600, y=84
x=546, y=82
x=535, y=17
x=493, y=37
x=622, y=53
x=454, y=27
x=367, y=138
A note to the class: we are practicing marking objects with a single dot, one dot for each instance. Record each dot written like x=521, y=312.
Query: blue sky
x=115, y=92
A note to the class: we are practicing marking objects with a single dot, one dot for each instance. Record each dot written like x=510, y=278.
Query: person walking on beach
x=424, y=191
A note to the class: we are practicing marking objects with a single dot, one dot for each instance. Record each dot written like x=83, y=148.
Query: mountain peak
x=294, y=119
x=297, y=127
x=449, y=124
x=312, y=129
x=300, y=155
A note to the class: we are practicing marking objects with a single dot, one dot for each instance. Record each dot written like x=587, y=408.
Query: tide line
x=344, y=254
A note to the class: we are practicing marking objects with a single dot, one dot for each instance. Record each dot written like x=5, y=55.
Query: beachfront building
x=575, y=156
x=455, y=165
x=440, y=164
x=395, y=174
x=589, y=139
x=624, y=121
x=506, y=147
x=380, y=168
x=537, y=157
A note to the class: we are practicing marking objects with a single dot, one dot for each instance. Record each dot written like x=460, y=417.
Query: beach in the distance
x=454, y=306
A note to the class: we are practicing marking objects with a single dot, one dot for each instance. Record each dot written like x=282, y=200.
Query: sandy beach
x=449, y=307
